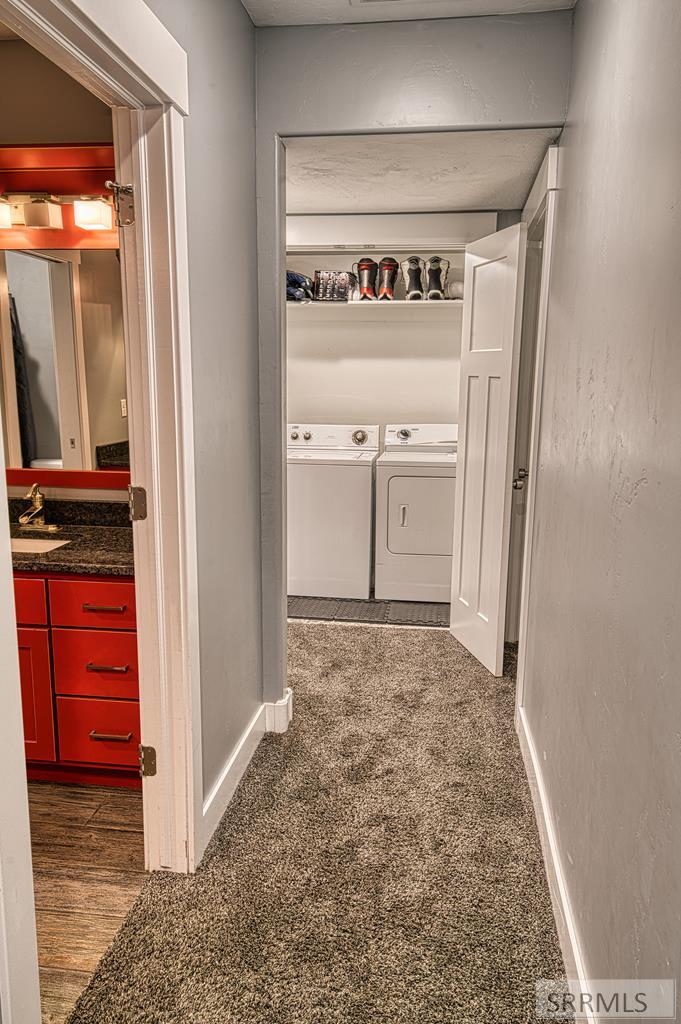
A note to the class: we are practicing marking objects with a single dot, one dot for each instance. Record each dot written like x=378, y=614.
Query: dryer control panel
x=440, y=437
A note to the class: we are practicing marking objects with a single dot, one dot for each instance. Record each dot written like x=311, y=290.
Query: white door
x=490, y=350
x=19, y=989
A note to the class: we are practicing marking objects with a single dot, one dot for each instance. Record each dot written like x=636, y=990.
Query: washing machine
x=415, y=482
x=330, y=473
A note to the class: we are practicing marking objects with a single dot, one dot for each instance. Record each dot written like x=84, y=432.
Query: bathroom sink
x=35, y=546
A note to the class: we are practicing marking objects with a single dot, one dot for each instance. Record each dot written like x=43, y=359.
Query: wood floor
x=88, y=867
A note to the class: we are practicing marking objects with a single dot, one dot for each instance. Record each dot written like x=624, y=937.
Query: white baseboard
x=566, y=925
x=274, y=717
x=278, y=715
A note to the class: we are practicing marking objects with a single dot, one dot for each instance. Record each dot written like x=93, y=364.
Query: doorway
x=147, y=96
x=394, y=364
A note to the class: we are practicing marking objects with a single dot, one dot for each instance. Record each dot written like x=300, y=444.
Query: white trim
x=121, y=52
x=546, y=180
x=566, y=924
x=278, y=715
x=268, y=718
x=215, y=804
x=535, y=425
x=149, y=148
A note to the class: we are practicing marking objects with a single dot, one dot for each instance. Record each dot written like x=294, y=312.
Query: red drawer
x=30, y=602
x=93, y=604
x=95, y=663
x=95, y=731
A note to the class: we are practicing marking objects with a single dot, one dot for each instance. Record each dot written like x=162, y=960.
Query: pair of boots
x=435, y=270
x=368, y=271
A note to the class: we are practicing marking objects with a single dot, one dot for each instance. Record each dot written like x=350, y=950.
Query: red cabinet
x=79, y=678
x=36, y=694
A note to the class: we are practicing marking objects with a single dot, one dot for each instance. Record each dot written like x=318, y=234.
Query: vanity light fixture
x=93, y=214
x=5, y=214
x=42, y=213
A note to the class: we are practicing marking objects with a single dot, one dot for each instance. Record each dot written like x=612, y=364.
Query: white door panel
x=490, y=348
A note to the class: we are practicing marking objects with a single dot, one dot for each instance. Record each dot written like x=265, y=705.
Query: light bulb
x=93, y=215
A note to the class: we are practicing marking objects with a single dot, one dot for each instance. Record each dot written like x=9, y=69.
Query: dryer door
x=420, y=515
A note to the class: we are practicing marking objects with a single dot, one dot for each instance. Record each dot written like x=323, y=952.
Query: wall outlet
x=124, y=408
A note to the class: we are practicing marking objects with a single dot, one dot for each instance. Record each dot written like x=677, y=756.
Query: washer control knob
x=294, y=435
x=360, y=437
x=404, y=434
x=307, y=435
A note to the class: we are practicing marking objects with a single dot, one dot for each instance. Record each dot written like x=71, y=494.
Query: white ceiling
x=416, y=173
x=330, y=12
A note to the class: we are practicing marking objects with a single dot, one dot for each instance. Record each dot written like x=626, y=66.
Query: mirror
x=62, y=360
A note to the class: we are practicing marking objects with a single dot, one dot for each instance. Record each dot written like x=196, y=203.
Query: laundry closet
x=387, y=366
x=375, y=311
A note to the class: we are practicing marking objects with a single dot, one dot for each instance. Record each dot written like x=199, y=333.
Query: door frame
x=541, y=202
x=127, y=58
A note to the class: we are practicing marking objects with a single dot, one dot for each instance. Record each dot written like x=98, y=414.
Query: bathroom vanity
x=76, y=620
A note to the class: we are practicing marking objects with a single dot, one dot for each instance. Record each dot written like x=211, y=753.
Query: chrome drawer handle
x=116, y=609
x=110, y=737
x=122, y=669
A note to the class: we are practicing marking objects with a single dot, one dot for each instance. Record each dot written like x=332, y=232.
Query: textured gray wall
x=220, y=146
x=509, y=72
x=602, y=694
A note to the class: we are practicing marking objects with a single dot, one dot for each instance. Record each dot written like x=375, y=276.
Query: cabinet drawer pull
x=115, y=609
x=121, y=669
x=110, y=737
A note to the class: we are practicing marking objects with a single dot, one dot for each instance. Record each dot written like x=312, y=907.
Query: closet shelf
x=399, y=311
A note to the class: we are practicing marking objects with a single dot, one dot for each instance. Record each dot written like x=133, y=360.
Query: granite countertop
x=91, y=551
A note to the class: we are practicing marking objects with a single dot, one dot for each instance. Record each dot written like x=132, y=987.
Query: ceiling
x=330, y=12
x=415, y=173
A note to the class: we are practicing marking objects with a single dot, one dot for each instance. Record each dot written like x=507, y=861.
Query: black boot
x=436, y=274
x=388, y=269
x=412, y=270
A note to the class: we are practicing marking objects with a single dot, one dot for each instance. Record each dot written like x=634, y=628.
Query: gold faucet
x=34, y=517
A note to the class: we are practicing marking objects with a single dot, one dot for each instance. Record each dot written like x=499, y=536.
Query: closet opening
x=409, y=369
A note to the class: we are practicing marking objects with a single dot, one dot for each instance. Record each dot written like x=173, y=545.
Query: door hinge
x=519, y=481
x=147, y=761
x=137, y=503
x=124, y=203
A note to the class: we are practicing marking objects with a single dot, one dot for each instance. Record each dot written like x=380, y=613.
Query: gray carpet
x=379, y=862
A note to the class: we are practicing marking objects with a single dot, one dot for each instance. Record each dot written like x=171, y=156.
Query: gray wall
x=509, y=72
x=47, y=105
x=220, y=146
x=603, y=695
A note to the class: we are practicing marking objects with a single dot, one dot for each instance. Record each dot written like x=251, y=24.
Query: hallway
x=379, y=862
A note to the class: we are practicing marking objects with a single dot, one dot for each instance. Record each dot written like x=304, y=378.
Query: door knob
x=519, y=481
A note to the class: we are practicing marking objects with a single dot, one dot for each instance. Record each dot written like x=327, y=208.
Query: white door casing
x=490, y=353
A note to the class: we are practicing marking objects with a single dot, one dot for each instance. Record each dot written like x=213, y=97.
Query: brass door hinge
x=147, y=761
